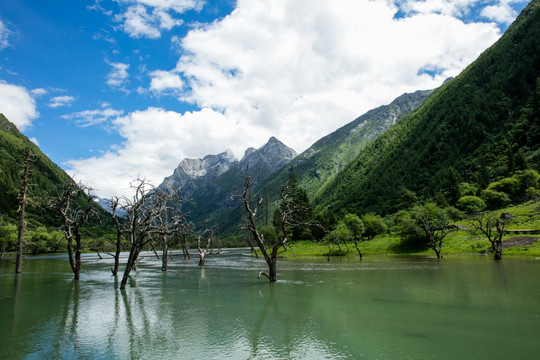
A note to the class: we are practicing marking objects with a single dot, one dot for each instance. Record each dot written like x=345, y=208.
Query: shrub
x=471, y=204
x=495, y=199
x=509, y=186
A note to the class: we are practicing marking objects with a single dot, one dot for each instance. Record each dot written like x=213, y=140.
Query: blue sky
x=114, y=89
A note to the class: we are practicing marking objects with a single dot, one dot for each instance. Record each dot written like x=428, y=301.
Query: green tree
x=429, y=220
x=471, y=204
x=356, y=229
x=339, y=235
x=495, y=199
x=374, y=225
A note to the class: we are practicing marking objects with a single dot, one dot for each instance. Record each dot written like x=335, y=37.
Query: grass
x=526, y=217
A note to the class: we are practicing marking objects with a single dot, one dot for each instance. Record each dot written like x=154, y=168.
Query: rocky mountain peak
x=274, y=153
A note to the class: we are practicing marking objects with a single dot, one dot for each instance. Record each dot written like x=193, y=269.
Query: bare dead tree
x=22, y=210
x=170, y=220
x=208, y=249
x=75, y=206
x=493, y=227
x=141, y=216
x=185, y=231
x=288, y=220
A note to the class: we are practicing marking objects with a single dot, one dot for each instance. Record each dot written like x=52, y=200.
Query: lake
x=383, y=307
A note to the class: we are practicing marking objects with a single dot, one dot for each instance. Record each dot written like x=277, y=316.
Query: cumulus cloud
x=93, y=117
x=59, y=101
x=296, y=70
x=38, y=92
x=502, y=12
x=155, y=142
x=17, y=105
x=300, y=69
x=444, y=7
x=118, y=76
x=163, y=81
x=148, y=18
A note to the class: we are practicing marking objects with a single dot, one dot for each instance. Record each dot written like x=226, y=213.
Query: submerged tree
x=75, y=206
x=170, y=221
x=208, y=250
x=287, y=217
x=22, y=210
x=149, y=213
x=493, y=227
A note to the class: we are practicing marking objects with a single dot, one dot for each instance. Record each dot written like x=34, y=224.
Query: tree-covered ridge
x=45, y=176
x=480, y=127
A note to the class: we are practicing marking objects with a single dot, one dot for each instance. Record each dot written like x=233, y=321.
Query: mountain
x=209, y=183
x=318, y=165
x=478, y=128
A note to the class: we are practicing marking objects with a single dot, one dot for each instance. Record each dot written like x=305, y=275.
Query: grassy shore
x=463, y=241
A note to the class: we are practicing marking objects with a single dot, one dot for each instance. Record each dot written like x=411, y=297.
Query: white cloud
x=501, y=13
x=93, y=117
x=444, y=7
x=163, y=81
x=34, y=140
x=38, y=92
x=17, y=105
x=59, y=101
x=148, y=18
x=297, y=70
x=118, y=76
x=300, y=69
x=4, y=35
x=155, y=141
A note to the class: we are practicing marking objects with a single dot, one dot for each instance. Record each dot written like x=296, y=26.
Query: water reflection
x=379, y=308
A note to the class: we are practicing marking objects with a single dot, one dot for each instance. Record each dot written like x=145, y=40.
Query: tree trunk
x=133, y=254
x=69, y=238
x=272, y=267
x=117, y=252
x=20, y=233
x=358, y=249
x=201, y=258
x=164, y=257
x=498, y=251
x=78, y=246
x=186, y=251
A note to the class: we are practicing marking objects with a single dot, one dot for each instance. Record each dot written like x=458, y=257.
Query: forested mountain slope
x=45, y=176
x=318, y=165
x=479, y=127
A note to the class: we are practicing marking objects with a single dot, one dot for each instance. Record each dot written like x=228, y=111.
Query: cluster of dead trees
x=150, y=217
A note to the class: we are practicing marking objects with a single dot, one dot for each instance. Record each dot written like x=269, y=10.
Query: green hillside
x=43, y=226
x=45, y=176
x=480, y=127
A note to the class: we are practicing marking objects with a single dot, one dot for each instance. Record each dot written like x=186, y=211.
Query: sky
x=112, y=90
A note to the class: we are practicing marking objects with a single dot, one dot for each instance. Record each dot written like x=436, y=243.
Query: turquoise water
x=384, y=307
